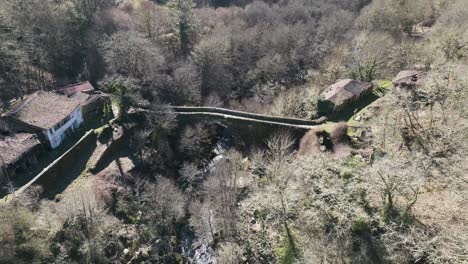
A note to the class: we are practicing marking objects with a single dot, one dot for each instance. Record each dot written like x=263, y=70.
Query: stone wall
x=95, y=106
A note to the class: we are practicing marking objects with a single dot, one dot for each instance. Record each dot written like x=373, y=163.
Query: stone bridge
x=252, y=128
x=222, y=114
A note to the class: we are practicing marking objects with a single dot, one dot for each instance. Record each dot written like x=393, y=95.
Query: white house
x=53, y=115
x=57, y=133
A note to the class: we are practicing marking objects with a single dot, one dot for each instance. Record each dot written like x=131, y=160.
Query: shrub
x=339, y=133
x=196, y=142
x=20, y=242
x=453, y=46
x=288, y=252
x=360, y=226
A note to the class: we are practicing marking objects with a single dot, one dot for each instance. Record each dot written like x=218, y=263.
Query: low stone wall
x=49, y=175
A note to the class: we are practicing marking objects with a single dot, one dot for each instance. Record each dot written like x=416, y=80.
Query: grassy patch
x=287, y=252
x=327, y=127
x=360, y=226
x=101, y=129
x=382, y=87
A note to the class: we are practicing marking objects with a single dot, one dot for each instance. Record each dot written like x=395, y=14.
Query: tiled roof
x=43, y=109
x=14, y=147
x=72, y=89
x=81, y=97
x=345, y=89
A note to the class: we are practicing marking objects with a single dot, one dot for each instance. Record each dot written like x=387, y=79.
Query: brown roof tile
x=72, y=89
x=43, y=109
x=345, y=89
x=14, y=147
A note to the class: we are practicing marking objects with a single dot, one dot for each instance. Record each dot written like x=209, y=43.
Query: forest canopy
x=181, y=52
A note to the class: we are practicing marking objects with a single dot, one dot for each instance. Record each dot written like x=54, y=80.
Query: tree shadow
x=348, y=112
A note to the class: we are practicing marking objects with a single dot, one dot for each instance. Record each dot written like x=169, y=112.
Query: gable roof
x=12, y=148
x=81, y=97
x=345, y=89
x=43, y=109
x=72, y=89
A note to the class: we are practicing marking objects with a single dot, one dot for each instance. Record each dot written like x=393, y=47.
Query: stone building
x=47, y=114
x=343, y=94
x=76, y=89
x=17, y=153
x=408, y=80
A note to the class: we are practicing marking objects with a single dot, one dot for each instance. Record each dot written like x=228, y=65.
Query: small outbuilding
x=408, y=79
x=92, y=101
x=17, y=153
x=77, y=89
x=343, y=94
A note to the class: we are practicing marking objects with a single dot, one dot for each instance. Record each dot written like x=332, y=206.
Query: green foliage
x=381, y=87
x=19, y=241
x=355, y=163
x=360, y=226
x=107, y=109
x=123, y=92
x=288, y=252
x=127, y=210
x=453, y=46
x=346, y=174
x=186, y=24
x=365, y=70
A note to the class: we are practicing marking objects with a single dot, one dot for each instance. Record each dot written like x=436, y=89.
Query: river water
x=195, y=250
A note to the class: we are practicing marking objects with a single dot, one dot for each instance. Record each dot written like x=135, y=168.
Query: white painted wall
x=56, y=136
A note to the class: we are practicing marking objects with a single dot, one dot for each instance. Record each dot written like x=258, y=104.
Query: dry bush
x=397, y=16
x=454, y=46
x=196, y=143
x=334, y=226
x=215, y=216
x=202, y=220
x=187, y=85
x=334, y=67
x=251, y=105
x=191, y=178
x=213, y=100
x=454, y=15
x=289, y=104
x=230, y=253
x=165, y=202
x=84, y=233
x=403, y=56
x=30, y=198
x=339, y=134
x=109, y=186
x=370, y=55
x=20, y=240
x=309, y=144
x=115, y=18
x=222, y=189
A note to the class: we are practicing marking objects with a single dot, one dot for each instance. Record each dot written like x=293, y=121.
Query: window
x=61, y=123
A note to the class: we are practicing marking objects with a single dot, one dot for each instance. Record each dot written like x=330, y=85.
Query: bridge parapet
x=246, y=116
